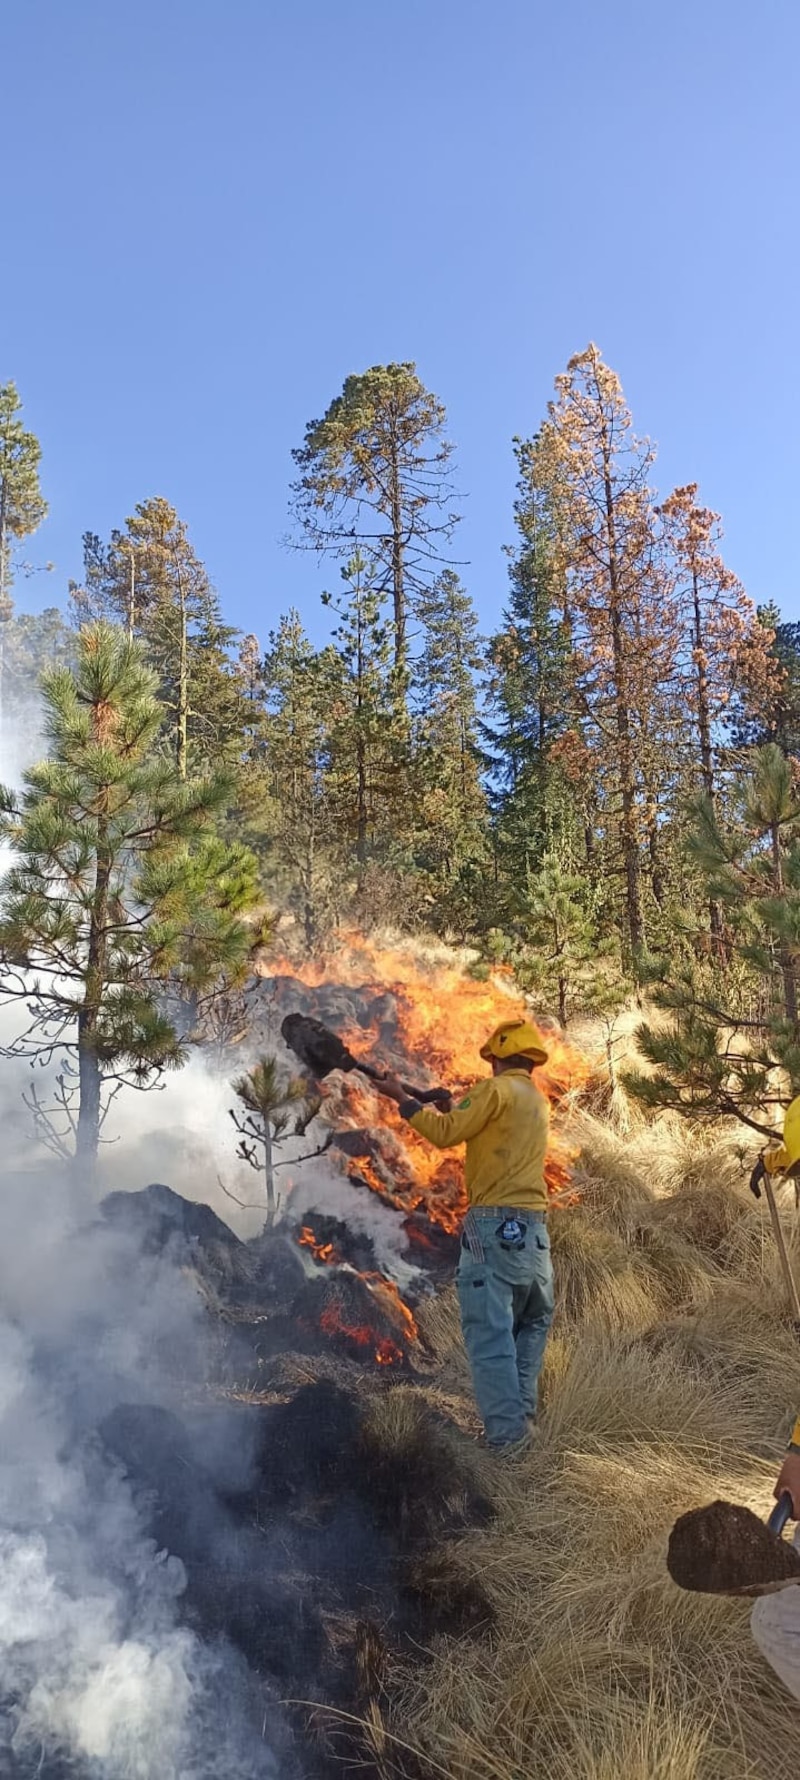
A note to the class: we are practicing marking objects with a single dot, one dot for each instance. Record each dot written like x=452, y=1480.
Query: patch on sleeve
x=463, y=1104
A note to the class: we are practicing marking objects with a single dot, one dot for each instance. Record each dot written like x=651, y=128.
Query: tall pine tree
x=22, y=506
x=449, y=799
x=375, y=473
x=531, y=705
x=305, y=854
x=150, y=581
x=619, y=611
x=107, y=907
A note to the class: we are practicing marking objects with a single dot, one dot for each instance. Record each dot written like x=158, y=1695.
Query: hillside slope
x=671, y=1378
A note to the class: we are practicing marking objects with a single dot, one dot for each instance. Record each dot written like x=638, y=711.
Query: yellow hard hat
x=783, y=1156
x=514, y=1038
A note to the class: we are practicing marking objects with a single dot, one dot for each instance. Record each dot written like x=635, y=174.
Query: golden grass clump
x=671, y=1378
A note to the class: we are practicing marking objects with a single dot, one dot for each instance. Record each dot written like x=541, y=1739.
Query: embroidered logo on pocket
x=512, y=1233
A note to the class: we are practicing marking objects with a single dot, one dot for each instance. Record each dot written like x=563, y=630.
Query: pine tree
x=271, y=1106
x=362, y=731
x=774, y=716
x=531, y=705
x=22, y=507
x=724, y=646
x=447, y=791
x=150, y=580
x=375, y=475
x=618, y=609
x=106, y=909
x=253, y=688
x=732, y=1045
x=558, y=950
x=303, y=685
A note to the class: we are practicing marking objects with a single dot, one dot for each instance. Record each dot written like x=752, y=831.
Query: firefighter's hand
x=392, y=1089
x=789, y=1480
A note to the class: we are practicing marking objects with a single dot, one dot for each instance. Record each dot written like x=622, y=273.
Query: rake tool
x=322, y=1051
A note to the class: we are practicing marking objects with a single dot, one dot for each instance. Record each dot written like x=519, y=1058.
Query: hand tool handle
x=783, y=1511
x=791, y=1285
x=425, y=1096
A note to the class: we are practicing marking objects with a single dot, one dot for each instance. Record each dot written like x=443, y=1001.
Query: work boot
x=514, y=1450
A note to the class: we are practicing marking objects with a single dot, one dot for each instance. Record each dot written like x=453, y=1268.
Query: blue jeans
x=505, y=1294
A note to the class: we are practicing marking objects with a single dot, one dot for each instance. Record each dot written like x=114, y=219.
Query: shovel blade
x=724, y=1549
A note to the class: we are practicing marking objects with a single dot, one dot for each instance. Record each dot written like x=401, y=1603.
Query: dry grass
x=671, y=1378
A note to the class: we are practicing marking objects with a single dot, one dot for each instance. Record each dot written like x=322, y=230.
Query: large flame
x=430, y=1023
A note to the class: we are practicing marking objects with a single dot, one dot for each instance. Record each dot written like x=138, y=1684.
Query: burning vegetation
x=424, y=1021
x=327, y=1554
x=304, y=1448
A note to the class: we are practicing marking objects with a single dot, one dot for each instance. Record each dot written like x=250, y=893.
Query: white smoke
x=97, y=1673
x=317, y=1186
x=94, y=1663
x=98, y=1670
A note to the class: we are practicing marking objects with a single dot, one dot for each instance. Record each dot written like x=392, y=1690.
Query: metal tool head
x=320, y=1050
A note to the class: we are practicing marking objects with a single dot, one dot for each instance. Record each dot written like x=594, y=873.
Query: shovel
x=323, y=1051
x=726, y=1550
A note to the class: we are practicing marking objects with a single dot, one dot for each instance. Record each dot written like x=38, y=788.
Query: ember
x=385, y=1352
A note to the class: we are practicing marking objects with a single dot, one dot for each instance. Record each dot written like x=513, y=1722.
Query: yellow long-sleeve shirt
x=504, y=1123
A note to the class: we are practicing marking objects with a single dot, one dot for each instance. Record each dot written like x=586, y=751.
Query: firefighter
x=775, y=1620
x=505, y=1273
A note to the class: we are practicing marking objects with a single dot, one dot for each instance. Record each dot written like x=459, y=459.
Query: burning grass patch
x=520, y=1622
x=597, y=1665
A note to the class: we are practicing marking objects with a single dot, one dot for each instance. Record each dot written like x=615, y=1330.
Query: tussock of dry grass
x=671, y=1377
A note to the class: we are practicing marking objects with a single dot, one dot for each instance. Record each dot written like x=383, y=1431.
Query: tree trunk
x=703, y=701
x=654, y=848
x=183, y=696
x=89, y=1073
x=785, y=958
x=132, y=599
x=269, y=1177
x=398, y=565
x=309, y=922
x=362, y=817
x=630, y=849
x=706, y=752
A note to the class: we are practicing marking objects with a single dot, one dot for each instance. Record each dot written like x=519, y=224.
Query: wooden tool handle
x=426, y=1096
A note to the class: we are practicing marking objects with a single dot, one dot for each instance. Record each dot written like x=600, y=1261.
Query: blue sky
x=214, y=210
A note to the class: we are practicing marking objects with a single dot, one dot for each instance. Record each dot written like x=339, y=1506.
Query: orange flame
x=322, y=1251
x=384, y=1351
x=386, y=1291
x=442, y=1017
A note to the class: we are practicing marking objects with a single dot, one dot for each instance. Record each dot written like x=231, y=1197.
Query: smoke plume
x=99, y=1676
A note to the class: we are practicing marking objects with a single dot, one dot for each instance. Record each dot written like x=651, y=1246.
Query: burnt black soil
x=722, y=1547
x=315, y=1525
x=306, y=1544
